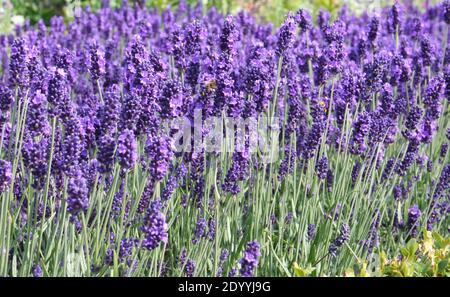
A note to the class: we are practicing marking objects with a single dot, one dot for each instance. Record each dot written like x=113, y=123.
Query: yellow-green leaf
x=302, y=272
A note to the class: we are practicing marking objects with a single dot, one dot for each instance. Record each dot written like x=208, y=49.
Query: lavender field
x=192, y=143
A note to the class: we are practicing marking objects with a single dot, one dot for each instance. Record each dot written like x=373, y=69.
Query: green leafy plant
x=36, y=10
x=429, y=256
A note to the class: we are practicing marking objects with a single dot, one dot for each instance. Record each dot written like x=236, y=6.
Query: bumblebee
x=323, y=105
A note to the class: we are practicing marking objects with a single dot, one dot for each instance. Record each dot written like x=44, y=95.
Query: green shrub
x=429, y=256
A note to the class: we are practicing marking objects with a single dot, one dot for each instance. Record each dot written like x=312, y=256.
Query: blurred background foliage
x=16, y=11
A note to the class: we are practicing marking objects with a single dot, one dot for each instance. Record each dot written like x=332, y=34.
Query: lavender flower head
x=37, y=271
x=286, y=35
x=189, y=268
x=125, y=250
x=233, y=272
x=446, y=11
x=414, y=214
x=361, y=128
x=109, y=113
x=105, y=153
x=394, y=18
x=250, y=260
x=154, y=226
x=6, y=101
x=78, y=195
x=188, y=264
x=37, y=122
x=199, y=230
x=432, y=98
x=373, y=236
x=97, y=62
x=171, y=100
x=17, y=64
x=127, y=149
x=229, y=36
x=5, y=175
x=322, y=168
x=444, y=149
x=373, y=29
x=223, y=257
x=158, y=149
x=344, y=236
x=303, y=19
x=211, y=229
x=311, y=232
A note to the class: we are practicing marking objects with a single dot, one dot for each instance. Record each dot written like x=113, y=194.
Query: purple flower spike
x=5, y=175
x=414, y=214
x=344, y=236
x=127, y=149
x=446, y=10
x=322, y=168
x=303, y=19
x=286, y=35
x=78, y=196
x=97, y=62
x=154, y=227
